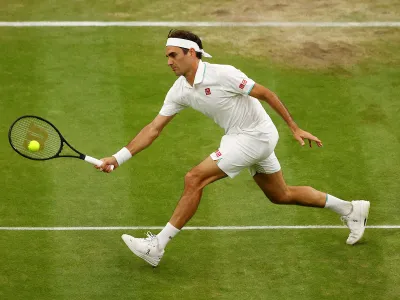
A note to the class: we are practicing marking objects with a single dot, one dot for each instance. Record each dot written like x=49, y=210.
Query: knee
x=192, y=180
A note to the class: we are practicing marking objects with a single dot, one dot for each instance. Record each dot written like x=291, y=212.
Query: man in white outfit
x=232, y=100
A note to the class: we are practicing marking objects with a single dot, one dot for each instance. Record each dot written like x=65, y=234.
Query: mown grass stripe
x=194, y=24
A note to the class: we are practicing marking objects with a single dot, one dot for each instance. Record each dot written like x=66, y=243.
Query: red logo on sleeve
x=218, y=153
x=243, y=84
x=208, y=91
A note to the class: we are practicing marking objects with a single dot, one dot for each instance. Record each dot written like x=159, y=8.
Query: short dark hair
x=186, y=35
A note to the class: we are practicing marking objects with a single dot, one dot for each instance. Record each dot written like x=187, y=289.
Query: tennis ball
x=34, y=146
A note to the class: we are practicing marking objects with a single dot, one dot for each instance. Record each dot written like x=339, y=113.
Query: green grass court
x=100, y=86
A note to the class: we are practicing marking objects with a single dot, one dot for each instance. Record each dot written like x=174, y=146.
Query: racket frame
x=62, y=141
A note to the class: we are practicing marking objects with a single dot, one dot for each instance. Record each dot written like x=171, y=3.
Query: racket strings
x=30, y=129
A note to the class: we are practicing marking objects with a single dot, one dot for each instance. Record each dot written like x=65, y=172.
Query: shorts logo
x=243, y=84
x=207, y=91
x=218, y=153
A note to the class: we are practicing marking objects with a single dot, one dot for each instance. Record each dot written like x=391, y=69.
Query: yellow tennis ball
x=34, y=146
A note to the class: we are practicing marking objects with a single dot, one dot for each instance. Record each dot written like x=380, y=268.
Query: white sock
x=166, y=235
x=341, y=207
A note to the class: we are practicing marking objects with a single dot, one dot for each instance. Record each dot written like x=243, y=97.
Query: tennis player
x=232, y=100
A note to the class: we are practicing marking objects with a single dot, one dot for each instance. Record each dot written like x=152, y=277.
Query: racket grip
x=95, y=161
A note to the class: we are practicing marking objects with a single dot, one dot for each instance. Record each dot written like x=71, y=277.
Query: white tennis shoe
x=147, y=248
x=357, y=220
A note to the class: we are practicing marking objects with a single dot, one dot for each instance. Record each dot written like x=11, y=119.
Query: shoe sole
x=145, y=258
x=365, y=205
x=141, y=255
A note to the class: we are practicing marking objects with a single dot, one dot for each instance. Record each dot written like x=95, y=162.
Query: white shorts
x=239, y=151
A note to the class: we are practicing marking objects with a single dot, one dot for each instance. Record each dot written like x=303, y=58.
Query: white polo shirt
x=221, y=93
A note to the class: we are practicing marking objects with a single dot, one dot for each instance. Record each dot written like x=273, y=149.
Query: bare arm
x=148, y=134
x=141, y=141
x=262, y=93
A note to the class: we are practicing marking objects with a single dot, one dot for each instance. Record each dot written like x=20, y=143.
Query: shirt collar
x=198, y=78
x=201, y=69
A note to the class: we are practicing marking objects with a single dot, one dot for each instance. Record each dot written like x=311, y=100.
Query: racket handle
x=95, y=161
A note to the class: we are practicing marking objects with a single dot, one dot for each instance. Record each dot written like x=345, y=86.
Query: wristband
x=122, y=155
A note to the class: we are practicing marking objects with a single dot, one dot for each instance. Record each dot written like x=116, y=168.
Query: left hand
x=300, y=135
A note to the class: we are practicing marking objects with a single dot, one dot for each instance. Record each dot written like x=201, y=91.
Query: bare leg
x=197, y=178
x=151, y=249
x=275, y=188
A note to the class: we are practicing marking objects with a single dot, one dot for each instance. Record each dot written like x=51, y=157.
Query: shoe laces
x=344, y=219
x=347, y=222
x=150, y=237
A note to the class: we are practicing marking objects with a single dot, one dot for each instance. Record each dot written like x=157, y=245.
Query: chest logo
x=207, y=91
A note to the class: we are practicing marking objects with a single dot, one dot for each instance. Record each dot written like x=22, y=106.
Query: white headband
x=186, y=44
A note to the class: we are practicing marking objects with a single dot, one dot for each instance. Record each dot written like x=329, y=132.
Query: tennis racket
x=51, y=143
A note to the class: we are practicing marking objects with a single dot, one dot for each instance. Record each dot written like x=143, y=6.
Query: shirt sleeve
x=235, y=81
x=173, y=103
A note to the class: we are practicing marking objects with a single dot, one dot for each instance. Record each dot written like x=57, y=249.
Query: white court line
x=194, y=24
x=191, y=228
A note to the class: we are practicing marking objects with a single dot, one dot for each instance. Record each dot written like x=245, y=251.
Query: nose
x=169, y=61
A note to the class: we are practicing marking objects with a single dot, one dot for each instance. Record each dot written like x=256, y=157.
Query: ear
x=192, y=52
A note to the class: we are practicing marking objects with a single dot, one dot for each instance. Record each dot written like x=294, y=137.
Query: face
x=179, y=62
